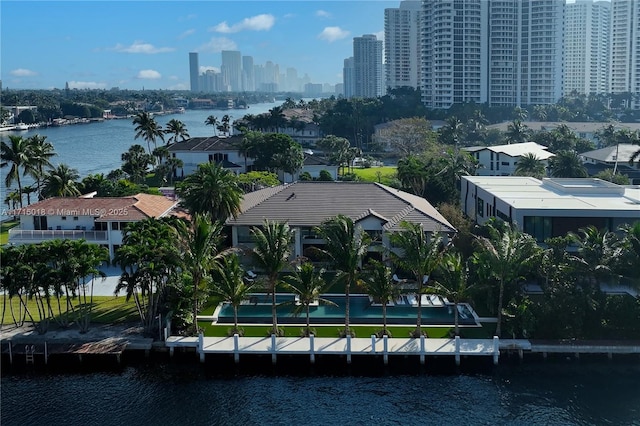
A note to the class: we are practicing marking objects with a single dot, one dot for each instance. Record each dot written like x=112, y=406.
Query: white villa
x=550, y=207
x=502, y=160
x=377, y=208
x=219, y=149
x=97, y=220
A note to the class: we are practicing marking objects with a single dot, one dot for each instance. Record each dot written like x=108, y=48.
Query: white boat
x=21, y=126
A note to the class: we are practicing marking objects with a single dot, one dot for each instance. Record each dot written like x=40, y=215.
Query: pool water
x=257, y=310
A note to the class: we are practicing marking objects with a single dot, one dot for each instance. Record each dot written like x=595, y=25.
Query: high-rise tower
x=624, y=52
x=194, y=71
x=232, y=69
x=402, y=45
x=367, y=65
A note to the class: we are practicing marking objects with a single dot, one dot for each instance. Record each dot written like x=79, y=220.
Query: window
x=504, y=163
x=101, y=226
x=115, y=226
x=244, y=235
x=63, y=218
x=480, y=207
x=538, y=227
x=75, y=218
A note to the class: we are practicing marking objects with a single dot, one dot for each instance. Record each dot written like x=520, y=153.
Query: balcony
x=31, y=236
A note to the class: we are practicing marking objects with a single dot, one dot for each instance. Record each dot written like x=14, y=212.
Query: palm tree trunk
x=347, y=293
x=419, y=315
x=308, y=320
x=500, y=296
x=274, y=313
x=384, y=317
x=455, y=318
x=235, y=318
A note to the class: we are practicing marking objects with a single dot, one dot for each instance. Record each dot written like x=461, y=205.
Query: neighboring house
x=97, y=220
x=502, y=160
x=613, y=157
x=377, y=208
x=312, y=164
x=301, y=127
x=219, y=149
x=550, y=207
x=583, y=130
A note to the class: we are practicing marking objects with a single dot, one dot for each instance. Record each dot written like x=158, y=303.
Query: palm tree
x=419, y=253
x=174, y=164
x=41, y=152
x=451, y=282
x=271, y=253
x=598, y=250
x=17, y=154
x=567, y=164
x=225, y=124
x=630, y=244
x=308, y=284
x=246, y=147
x=200, y=243
x=28, y=190
x=61, y=182
x=530, y=165
x=136, y=162
x=211, y=189
x=229, y=286
x=517, y=132
x=277, y=118
x=505, y=255
x=148, y=129
x=213, y=122
x=346, y=245
x=378, y=283
x=177, y=129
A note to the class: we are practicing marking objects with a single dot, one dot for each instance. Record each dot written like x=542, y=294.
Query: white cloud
x=379, y=35
x=141, y=47
x=179, y=86
x=289, y=15
x=174, y=77
x=205, y=68
x=187, y=18
x=22, y=72
x=332, y=34
x=323, y=14
x=186, y=34
x=149, y=75
x=262, y=22
x=86, y=85
x=217, y=44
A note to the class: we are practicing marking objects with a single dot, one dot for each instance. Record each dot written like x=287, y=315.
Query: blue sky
x=136, y=44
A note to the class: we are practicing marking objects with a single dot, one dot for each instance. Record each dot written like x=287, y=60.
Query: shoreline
x=124, y=345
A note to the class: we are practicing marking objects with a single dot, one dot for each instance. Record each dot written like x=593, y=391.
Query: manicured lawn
x=387, y=174
x=4, y=230
x=106, y=309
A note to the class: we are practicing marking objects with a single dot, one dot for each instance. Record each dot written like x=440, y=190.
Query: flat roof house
x=502, y=160
x=550, y=207
x=377, y=208
x=97, y=220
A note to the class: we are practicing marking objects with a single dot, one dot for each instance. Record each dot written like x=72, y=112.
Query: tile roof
x=623, y=152
x=131, y=208
x=212, y=143
x=516, y=149
x=310, y=203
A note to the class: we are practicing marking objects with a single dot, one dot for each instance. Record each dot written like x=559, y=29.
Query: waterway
x=551, y=392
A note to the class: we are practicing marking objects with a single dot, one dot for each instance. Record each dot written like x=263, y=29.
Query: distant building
x=194, y=71
x=585, y=130
x=402, y=45
x=348, y=78
x=222, y=150
x=625, y=49
x=549, y=207
x=231, y=70
x=367, y=65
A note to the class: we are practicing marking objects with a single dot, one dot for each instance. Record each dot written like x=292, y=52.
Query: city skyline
x=135, y=45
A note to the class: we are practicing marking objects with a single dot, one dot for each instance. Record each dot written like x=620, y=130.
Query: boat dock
x=347, y=347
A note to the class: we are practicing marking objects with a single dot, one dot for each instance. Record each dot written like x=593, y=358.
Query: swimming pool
x=257, y=310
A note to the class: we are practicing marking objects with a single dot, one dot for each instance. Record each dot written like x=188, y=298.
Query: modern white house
x=550, y=207
x=502, y=160
x=376, y=208
x=219, y=149
x=584, y=130
x=97, y=220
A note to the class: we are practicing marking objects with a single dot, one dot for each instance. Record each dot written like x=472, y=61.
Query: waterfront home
x=97, y=220
x=313, y=165
x=549, y=207
x=376, y=208
x=613, y=157
x=502, y=160
x=219, y=149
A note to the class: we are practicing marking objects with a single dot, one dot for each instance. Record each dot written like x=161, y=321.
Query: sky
x=146, y=44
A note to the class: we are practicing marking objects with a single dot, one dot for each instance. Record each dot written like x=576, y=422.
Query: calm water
x=539, y=393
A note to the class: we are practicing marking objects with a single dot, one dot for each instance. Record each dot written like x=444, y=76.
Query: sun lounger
x=411, y=299
x=435, y=300
x=400, y=301
x=425, y=300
